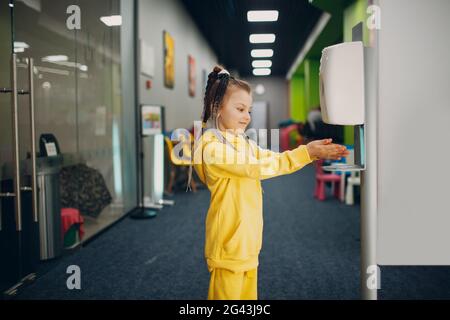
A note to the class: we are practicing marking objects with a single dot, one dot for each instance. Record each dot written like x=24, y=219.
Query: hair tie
x=224, y=71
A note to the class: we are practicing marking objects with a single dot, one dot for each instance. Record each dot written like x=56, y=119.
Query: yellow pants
x=228, y=285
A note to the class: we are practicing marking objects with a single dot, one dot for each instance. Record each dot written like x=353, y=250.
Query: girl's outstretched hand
x=324, y=149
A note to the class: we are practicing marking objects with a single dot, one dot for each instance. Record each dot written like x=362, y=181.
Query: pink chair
x=285, y=138
x=322, y=178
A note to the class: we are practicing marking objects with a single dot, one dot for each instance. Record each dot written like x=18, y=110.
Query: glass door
x=19, y=238
x=63, y=126
x=8, y=233
x=38, y=112
x=76, y=47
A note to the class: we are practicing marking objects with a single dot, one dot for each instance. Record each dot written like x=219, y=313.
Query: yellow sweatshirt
x=234, y=223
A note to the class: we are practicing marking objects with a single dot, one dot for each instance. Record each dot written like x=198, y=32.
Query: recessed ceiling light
x=262, y=38
x=260, y=90
x=261, y=72
x=20, y=44
x=112, y=21
x=55, y=58
x=262, y=15
x=261, y=63
x=262, y=53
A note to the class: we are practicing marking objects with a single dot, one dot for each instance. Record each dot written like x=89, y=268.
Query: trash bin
x=49, y=204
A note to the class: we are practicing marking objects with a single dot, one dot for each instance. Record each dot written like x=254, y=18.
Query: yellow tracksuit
x=234, y=223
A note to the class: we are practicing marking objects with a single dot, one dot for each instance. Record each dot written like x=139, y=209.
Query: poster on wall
x=147, y=59
x=191, y=72
x=169, y=60
x=151, y=120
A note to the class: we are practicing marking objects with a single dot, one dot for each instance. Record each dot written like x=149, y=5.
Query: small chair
x=72, y=226
x=353, y=180
x=322, y=178
x=286, y=134
x=175, y=161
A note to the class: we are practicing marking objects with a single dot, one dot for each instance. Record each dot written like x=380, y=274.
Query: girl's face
x=235, y=110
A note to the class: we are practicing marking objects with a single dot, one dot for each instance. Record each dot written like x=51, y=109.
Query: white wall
x=170, y=15
x=413, y=133
x=276, y=94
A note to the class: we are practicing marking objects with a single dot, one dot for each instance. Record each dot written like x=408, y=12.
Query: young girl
x=232, y=166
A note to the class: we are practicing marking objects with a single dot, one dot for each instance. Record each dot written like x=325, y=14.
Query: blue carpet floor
x=310, y=251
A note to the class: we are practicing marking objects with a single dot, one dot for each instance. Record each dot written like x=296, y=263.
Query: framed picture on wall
x=152, y=119
x=146, y=59
x=169, y=60
x=191, y=73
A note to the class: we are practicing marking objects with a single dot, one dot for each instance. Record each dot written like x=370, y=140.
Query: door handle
x=33, y=138
x=16, y=155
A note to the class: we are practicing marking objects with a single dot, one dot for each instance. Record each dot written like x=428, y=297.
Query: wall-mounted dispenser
x=342, y=96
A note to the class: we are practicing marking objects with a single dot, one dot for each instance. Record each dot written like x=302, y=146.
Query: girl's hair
x=218, y=85
x=216, y=88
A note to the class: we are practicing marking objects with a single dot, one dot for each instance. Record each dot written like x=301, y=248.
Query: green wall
x=354, y=14
x=297, y=98
x=312, y=84
x=304, y=90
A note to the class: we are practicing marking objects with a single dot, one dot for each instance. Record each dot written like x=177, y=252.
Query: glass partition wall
x=78, y=71
x=76, y=46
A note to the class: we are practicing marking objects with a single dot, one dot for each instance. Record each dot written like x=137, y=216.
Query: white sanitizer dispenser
x=342, y=95
x=342, y=84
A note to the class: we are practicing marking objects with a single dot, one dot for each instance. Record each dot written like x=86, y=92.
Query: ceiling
x=224, y=24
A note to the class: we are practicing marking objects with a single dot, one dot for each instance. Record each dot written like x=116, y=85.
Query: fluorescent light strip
x=262, y=38
x=20, y=44
x=261, y=63
x=261, y=53
x=62, y=60
x=262, y=15
x=261, y=72
x=55, y=58
x=112, y=21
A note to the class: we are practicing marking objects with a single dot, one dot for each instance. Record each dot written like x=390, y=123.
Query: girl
x=231, y=166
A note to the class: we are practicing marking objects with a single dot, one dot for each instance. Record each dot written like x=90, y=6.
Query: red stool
x=69, y=217
x=322, y=178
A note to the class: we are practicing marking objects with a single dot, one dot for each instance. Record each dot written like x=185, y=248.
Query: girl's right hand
x=324, y=149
